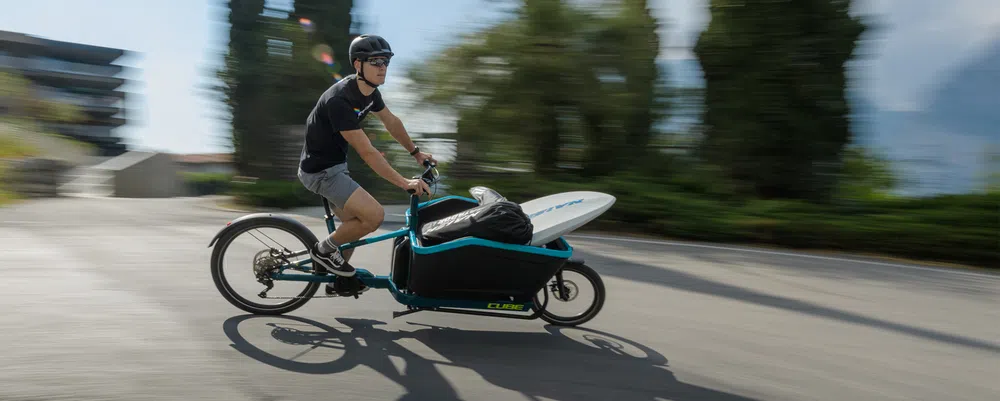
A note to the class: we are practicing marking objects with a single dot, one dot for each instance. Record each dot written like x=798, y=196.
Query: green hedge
x=199, y=184
x=274, y=194
x=954, y=228
x=289, y=194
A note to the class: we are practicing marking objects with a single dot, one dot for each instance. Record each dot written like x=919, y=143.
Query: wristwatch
x=416, y=149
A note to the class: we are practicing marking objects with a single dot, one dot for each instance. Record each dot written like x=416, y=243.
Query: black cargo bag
x=501, y=221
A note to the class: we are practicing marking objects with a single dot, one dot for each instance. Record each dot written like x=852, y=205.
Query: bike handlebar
x=429, y=179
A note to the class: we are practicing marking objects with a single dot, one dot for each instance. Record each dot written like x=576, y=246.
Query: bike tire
x=304, y=235
x=591, y=312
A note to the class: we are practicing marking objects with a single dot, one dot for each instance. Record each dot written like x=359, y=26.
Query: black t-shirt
x=340, y=108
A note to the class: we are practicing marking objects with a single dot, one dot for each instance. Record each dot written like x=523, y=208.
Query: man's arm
x=359, y=141
x=395, y=128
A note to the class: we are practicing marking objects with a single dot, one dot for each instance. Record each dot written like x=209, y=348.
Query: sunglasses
x=378, y=62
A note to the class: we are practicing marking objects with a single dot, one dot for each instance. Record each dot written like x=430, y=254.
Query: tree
x=776, y=113
x=321, y=33
x=551, y=76
x=631, y=45
x=274, y=71
x=242, y=88
x=991, y=175
x=865, y=175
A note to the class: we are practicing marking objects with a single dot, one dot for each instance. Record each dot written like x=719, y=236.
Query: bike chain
x=263, y=295
x=315, y=296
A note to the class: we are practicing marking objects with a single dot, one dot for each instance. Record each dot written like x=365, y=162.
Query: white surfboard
x=555, y=215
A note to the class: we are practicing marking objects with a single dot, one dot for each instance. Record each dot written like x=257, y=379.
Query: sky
x=177, y=43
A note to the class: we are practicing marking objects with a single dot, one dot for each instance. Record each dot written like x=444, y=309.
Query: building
x=78, y=74
x=206, y=163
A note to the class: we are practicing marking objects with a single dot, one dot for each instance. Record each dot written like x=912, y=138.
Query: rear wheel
x=262, y=253
x=576, y=279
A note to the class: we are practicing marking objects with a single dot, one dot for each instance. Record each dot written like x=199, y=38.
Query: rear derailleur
x=266, y=263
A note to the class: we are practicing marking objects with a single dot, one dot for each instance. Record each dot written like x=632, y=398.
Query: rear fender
x=242, y=222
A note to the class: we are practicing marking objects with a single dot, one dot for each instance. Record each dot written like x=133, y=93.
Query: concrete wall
x=155, y=176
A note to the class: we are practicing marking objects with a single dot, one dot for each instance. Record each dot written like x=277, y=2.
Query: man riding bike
x=332, y=126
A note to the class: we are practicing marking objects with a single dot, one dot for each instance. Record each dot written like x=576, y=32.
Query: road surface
x=112, y=299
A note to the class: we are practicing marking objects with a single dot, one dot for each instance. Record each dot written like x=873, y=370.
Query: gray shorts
x=334, y=184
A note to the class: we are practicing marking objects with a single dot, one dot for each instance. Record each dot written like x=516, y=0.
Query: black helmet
x=365, y=46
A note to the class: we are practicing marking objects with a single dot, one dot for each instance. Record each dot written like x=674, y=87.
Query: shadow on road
x=680, y=280
x=596, y=366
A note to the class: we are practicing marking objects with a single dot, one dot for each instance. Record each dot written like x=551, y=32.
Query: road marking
x=672, y=243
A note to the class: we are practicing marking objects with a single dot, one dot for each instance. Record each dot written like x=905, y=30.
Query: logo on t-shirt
x=360, y=112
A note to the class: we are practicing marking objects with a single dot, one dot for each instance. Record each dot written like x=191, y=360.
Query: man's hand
x=421, y=156
x=418, y=185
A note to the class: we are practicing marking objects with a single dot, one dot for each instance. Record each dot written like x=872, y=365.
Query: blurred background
x=865, y=126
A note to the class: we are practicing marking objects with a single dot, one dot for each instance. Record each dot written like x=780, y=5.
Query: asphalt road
x=112, y=299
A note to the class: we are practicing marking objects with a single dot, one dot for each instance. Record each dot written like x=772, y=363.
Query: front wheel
x=251, y=252
x=574, y=277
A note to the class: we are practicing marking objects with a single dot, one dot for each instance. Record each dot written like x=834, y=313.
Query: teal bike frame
x=414, y=302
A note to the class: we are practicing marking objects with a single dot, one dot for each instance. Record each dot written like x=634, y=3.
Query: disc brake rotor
x=570, y=290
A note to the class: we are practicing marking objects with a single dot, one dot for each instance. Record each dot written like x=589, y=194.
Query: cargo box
x=472, y=268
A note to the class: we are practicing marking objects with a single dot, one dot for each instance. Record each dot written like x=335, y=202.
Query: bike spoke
x=268, y=237
x=276, y=242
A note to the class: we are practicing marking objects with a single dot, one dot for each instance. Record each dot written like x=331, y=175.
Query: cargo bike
x=484, y=268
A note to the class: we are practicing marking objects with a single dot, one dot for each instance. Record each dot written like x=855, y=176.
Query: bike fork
x=559, y=286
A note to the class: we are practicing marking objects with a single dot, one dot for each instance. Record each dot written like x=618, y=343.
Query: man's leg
x=352, y=222
x=354, y=207
x=362, y=215
x=344, y=216
x=367, y=215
